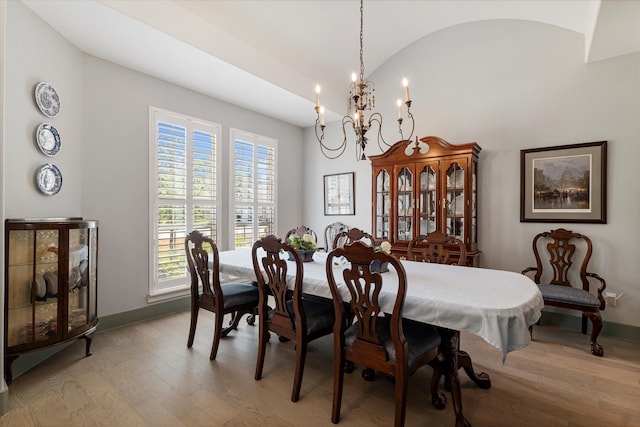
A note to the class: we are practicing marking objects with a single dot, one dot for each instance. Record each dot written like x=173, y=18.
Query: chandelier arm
x=329, y=152
x=320, y=137
x=377, y=118
x=413, y=123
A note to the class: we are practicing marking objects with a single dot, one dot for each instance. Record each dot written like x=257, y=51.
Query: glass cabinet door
x=454, y=201
x=427, y=197
x=404, y=203
x=32, y=286
x=82, y=278
x=383, y=205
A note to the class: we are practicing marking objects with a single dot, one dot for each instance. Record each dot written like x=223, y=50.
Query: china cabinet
x=50, y=284
x=423, y=186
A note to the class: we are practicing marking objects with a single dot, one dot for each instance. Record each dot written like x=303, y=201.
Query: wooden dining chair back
x=381, y=340
x=353, y=235
x=295, y=316
x=209, y=294
x=562, y=259
x=330, y=233
x=301, y=231
x=438, y=248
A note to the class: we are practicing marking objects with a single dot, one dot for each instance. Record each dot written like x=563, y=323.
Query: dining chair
x=383, y=341
x=295, y=316
x=301, y=231
x=435, y=247
x=564, y=280
x=352, y=235
x=236, y=299
x=330, y=233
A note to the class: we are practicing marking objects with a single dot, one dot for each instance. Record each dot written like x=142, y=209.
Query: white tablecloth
x=496, y=305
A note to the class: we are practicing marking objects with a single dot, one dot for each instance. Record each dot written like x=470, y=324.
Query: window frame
x=255, y=139
x=179, y=286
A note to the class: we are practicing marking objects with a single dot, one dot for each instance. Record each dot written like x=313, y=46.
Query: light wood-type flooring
x=144, y=375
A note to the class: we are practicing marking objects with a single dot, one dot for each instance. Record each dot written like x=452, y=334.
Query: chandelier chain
x=361, y=41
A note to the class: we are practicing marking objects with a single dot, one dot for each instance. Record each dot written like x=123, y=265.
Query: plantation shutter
x=185, y=173
x=254, y=192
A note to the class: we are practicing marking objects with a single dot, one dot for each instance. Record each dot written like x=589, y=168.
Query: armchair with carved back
x=208, y=293
x=564, y=281
x=434, y=247
x=387, y=343
x=295, y=316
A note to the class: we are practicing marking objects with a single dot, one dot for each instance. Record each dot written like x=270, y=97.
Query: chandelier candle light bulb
x=317, y=96
x=405, y=83
x=399, y=103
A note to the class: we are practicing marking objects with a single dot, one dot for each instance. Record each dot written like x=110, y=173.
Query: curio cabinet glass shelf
x=50, y=284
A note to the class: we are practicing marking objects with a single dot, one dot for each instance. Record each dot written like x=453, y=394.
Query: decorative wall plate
x=47, y=99
x=48, y=139
x=48, y=179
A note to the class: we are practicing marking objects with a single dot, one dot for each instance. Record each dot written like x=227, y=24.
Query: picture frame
x=339, y=195
x=564, y=183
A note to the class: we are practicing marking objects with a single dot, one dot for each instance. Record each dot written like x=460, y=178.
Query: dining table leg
x=449, y=349
x=481, y=379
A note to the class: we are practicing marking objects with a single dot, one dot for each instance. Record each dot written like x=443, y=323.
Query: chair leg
x=217, y=333
x=596, y=320
x=192, y=327
x=301, y=355
x=438, y=400
x=401, y=398
x=263, y=337
x=338, y=382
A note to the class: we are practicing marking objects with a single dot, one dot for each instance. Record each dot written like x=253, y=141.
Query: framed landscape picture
x=565, y=183
x=339, y=196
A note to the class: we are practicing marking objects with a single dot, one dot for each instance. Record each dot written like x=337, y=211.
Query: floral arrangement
x=384, y=247
x=304, y=242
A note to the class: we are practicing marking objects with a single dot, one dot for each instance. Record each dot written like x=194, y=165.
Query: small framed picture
x=339, y=196
x=566, y=183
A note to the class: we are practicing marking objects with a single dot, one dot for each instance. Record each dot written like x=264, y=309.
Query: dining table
x=498, y=306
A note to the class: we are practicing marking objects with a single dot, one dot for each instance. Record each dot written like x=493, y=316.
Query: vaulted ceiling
x=268, y=56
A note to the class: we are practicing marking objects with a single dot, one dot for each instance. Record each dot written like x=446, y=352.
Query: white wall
x=512, y=85
x=104, y=157
x=116, y=102
x=34, y=53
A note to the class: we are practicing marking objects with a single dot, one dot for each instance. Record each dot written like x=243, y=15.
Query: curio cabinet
x=426, y=185
x=50, y=284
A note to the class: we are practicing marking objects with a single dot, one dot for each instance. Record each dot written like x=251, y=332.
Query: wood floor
x=144, y=375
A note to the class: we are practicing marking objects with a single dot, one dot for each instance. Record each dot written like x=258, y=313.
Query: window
x=253, y=178
x=184, y=194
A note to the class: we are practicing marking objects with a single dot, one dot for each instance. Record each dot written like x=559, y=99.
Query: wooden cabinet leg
x=8, y=374
x=87, y=339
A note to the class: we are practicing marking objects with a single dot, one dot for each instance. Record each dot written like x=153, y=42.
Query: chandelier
x=361, y=100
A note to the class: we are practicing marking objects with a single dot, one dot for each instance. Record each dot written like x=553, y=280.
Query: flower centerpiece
x=304, y=245
x=377, y=266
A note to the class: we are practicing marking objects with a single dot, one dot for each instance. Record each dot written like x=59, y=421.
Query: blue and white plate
x=49, y=179
x=47, y=99
x=48, y=139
